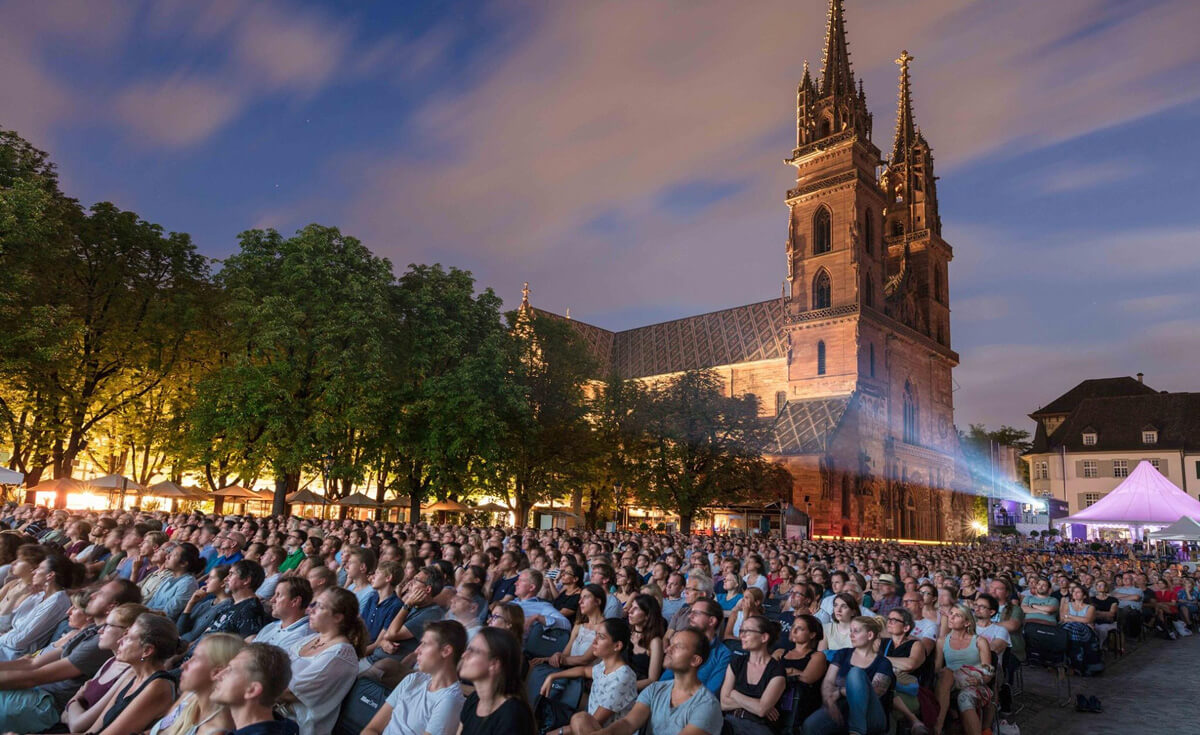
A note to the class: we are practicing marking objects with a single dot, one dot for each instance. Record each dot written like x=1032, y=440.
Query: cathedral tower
x=835, y=255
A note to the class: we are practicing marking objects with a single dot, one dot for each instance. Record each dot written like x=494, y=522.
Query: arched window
x=872, y=360
x=822, y=291
x=912, y=415
x=869, y=291
x=869, y=231
x=821, y=358
x=822, y=231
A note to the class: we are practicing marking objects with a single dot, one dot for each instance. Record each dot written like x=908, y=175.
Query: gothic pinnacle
x=905, y=129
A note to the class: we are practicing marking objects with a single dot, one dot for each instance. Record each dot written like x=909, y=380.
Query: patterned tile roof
x=806, y=426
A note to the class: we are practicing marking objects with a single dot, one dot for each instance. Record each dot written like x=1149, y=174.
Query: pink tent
x=1145, y=498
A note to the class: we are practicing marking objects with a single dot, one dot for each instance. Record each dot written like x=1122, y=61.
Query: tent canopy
x=448, y=506
x=64, y=484
x=1184, y=529
x=358, y=500
x=1145, y=498
x=10, y=477
x=306, y=497
x=493, y=508
x=168, y=489
x=237, y=492
x=115, y=482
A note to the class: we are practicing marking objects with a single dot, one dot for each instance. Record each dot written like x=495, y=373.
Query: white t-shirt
x=926, y=629
x=320, y=683
x=416, y=710
x=995, y=632
x=616, y=692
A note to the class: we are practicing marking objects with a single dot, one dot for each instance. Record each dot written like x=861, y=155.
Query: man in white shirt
x=288, y=605
x=985, y=607
x=429, y=700
x=529, y=581
x=924, y=630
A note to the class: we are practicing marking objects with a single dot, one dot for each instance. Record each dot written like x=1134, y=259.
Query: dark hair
x=633, y=579
x=365, y=555
x=597, y=592
x=190, y=556
x=812, y=625
x=344, y=603
x=126, y=592
x=605, y=570
x=67, y=574
x=620, y=632
x=766, y=625
x=655, y=626
x=850, y=602
x=504, y=647
x=908, y=621
x=703, y=647
x=436, y=580
x=251, y=571
x=298, y=587
x=160, y=634
x=991, y=601
x=271, y=667
x=450, y=633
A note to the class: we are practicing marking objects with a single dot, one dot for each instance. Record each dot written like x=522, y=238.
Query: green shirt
x=292, y=561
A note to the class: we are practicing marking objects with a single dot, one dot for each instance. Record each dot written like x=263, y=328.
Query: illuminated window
x=1149, y=436
x=1089, y=439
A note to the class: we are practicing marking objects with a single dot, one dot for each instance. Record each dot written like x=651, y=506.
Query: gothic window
x=937, y=282
x=780, y=401
x=869, y=231
x=912, y=415
x=822, y=290
x=822, y=231
x=826, y=127
x=869, y=292
x=897, y=228
x=821, y=358
x=872, y=350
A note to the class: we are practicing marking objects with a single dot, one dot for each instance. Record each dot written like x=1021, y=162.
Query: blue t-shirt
x=378, y=615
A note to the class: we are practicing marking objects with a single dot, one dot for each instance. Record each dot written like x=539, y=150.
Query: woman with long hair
x=857, y=689
x=963, y=664
x=578, y=651
x=751, y=604
x=325, y=664
x=17, y=592
x=32, y=625
x=649, y=628
x=148, y=690
x=837, y=631
x=614, y=682
x=805, y=666
x=85, y=708
x=908, y=658
x=194, y=713
x=629, y=582
x=492, y=663
x=753, y=682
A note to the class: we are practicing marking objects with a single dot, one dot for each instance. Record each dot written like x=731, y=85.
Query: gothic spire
x=906, y=131
x=836, y=77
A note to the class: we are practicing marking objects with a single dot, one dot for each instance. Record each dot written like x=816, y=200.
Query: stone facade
x=853, y=362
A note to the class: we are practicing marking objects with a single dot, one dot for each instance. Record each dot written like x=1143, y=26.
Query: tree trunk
x=286, y=483
x=685, y=525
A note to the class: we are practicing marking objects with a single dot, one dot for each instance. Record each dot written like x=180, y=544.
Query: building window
x=1155, y=464
x=820, y=358
x=822, y=231
x=1120, y=468
x=869, y=231
x=912, y=415
x=1149, y=436
x=822, y=290
x=1089, y=439
x=780, y=401
x=872, y=350
x=1041, y=470
x=1089, y=499
x=869, y=292
x=1090, y=468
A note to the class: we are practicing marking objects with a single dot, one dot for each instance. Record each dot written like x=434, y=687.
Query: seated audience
x=429, y=700
x=754, y=680
x=325, y=665
x=856, y=693
x=614, y=682
x=194, y=713
x=492, y=665
x=148, y=689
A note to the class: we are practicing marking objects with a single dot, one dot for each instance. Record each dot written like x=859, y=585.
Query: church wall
x=841, y=359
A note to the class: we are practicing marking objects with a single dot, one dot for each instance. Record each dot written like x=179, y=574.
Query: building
x=853, y=361
x=1091, y=437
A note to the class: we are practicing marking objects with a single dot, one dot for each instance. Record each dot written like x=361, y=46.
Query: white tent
x=1184, y=529
x=9, y=477
x=1145, y=498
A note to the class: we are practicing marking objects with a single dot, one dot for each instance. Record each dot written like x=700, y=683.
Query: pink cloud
x=176, y=111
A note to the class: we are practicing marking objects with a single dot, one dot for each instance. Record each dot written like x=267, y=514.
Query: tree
x=545, y=445
x=618, y=412
x=979, y=446
x=98, y=315
x=707, y=446
x=306, y=317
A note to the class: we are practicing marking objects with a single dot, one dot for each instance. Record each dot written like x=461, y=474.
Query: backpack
x=359, y=706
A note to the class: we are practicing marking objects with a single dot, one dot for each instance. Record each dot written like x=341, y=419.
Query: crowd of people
x=191, y=624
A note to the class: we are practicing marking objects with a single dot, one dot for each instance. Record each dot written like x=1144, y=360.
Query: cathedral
x=852, y=362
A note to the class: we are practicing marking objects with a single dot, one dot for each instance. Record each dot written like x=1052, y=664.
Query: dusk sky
x=626, y=158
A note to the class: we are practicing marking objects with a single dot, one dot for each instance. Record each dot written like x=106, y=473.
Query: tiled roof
x=805, y=427
x=1118, y=422
x=726, y=337
x=1095, y=388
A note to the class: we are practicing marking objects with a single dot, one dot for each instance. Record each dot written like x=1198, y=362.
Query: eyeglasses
x=106, y=626
x=744, y=631
x=494, y=617
x=895, y=620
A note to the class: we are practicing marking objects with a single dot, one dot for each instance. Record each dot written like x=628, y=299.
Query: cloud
x=177, y=111
x=1067, y=179
x=1156, y=303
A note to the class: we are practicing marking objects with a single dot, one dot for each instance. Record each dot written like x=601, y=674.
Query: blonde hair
x=220, y=648
x=869, y=623
x=127, y=613
x=968, y=615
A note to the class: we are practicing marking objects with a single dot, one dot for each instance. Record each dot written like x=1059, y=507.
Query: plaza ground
x=1150, y=689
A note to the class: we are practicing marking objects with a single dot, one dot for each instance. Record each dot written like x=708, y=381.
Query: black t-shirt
x=567, y=602
x=510, y=718
x=739, y=663
x=505, y=586
x=1103, y=605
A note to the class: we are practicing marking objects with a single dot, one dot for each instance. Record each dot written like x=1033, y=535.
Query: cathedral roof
x=806, y=426
x=726, y=337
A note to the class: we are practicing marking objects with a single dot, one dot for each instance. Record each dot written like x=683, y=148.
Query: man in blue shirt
x=707, y=617
x=382, y=604
x=230, y=548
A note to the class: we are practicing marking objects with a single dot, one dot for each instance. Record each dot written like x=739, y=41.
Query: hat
x=886, y=579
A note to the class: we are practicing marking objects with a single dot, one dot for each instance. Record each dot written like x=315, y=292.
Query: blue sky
x=626, y=158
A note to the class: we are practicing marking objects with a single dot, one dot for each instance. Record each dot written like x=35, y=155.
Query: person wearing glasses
x=697, y=588
x=908, y=659
x=924, y=630
x=754, y=680
x=83, y=710
x=707, y=616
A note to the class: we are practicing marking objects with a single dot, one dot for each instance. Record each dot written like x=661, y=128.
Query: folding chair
x=1046, y=646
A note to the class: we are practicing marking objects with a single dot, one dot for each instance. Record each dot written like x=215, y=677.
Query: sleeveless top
x=123, y=698
x=583, y=641
x=739, y=664
x=181, y=720
x=956, y=659
x=95, y=689
x=1071, y=609
x=640, y=663
x=807, y=697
